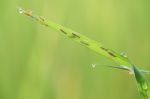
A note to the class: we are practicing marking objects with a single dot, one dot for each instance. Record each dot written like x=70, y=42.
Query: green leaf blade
x=83, y=40
x=100, y=49
x=142, y=83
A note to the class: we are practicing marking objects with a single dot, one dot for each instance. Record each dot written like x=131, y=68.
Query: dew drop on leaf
x=93, y=65
x=145, y=86
x=123, y=54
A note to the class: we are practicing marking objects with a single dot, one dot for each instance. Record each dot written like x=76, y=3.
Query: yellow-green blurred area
x=39, y=63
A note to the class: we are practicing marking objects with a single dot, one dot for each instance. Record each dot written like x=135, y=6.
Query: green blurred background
x=38, y=63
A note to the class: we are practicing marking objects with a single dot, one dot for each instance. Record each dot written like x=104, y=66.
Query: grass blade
x=142, y=83
x=85, y=41
x=122, y=60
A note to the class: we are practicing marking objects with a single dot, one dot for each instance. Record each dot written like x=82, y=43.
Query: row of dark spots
x=108, y=51
x=72, y=36
x=75, y=36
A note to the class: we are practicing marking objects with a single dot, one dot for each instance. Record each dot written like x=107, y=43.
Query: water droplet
x=93, y=65
x=145, y=85
x=20, y=10
x=123, y=54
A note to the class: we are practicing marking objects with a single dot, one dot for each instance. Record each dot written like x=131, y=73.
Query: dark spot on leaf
x=104, y=49
x=75, y=35
x=84, y=43
x=63, y=31
x=44, y=24
x=112, y=54
x=42, y=19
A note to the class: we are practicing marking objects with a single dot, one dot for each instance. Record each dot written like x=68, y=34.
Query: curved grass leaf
x=142, y=83
x=122, y=60
x=85, y=41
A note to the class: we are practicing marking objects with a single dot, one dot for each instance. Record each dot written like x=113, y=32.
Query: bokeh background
x=39, y=63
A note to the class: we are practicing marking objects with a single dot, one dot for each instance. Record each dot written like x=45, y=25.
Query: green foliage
x=142, y=83
x=122, y=60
